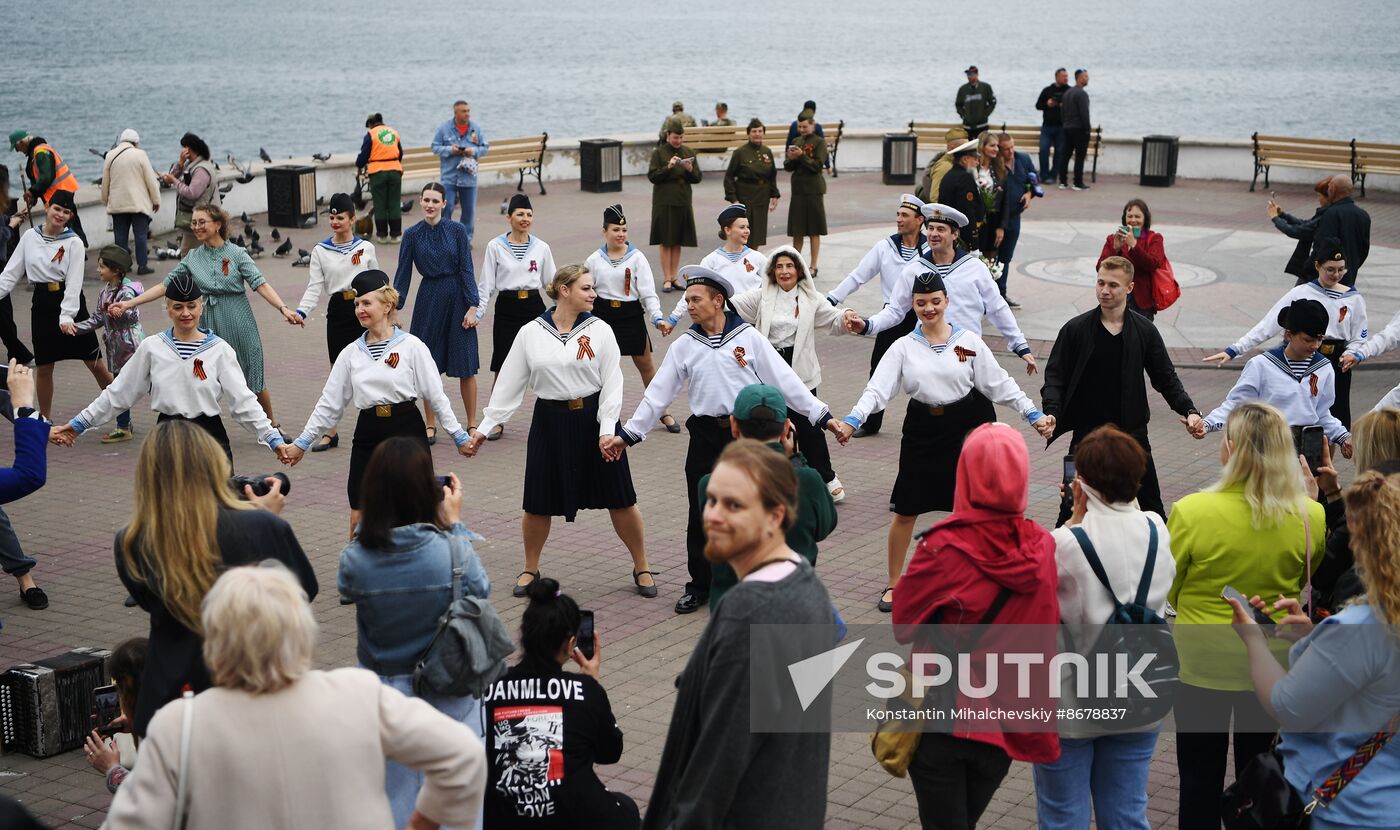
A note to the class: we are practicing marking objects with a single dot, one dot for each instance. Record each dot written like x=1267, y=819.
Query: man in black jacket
x=1344, y=220
x=1052, y=131
x=1094, y=375
x=1300, y=263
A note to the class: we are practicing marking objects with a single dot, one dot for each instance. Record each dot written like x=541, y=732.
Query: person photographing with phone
x=397, y=572
x=102, y=751
x=539, y=710
x=1135, y=241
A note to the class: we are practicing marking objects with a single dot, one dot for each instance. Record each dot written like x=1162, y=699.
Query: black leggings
x=1200, y=754
x=954, y=780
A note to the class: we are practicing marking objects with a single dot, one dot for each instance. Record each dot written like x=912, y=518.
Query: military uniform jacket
x=958, y=190
x=671, y=187
x=806, y=169
x=752, y=176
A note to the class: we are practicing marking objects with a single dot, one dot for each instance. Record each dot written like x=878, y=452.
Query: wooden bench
x=1373, y=158
x=516, y=155
x=1329, y=154
x=929, y=137
x=708, y=140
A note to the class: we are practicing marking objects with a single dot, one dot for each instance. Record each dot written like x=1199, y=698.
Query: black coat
x=1143, y=350
x=958, y=190
x=1346, y=221
x=1300, y=264
x=176, y=656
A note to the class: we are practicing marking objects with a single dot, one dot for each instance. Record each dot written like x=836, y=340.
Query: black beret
x=519, y=202
x=1304, y=317
x=64, y=199
x=367, y=282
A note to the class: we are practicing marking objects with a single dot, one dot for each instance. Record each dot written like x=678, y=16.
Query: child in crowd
x=127, y=663
x=121, y=334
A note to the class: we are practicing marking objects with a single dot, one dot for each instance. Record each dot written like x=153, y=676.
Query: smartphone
x=1124, y=229
x=444, y=481
x=584, y=635
x=1265, y=621
x=1069, y=472
x=106, y=709
x=1310, y=445
x=1273, y=197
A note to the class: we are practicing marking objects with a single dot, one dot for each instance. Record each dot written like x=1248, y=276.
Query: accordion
x=46, y=707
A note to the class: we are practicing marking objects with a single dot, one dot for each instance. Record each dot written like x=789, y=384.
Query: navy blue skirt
x=564, y=471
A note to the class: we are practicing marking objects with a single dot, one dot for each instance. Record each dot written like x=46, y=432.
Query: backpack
x=1134, y=630
x=469, y=649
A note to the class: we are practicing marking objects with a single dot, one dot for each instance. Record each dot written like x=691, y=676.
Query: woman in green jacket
x=806, y=157
x=1254, y=530
x=672, y=171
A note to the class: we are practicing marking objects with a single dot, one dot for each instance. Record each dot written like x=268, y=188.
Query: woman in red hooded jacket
x=1142, y=246
x=986, y=556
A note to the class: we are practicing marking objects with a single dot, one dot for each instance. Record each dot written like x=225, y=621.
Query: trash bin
x=600, y=165
x=291, y=196
x=1158, y=161
x=898, y=160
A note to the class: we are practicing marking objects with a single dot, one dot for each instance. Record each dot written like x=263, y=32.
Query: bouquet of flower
x=994, y=266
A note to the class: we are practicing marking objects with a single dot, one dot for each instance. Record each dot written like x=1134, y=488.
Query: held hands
x=842, y=430
x=611, y=446
x=292, y=317
x=63, y=436
x=118, y=309
x=1030, y=363
x=665, y=328
x=474, y=443
x=469, y=322
x=1220, y=358
x=290, y=454
x=1348, y=360
x=853, y=322
x=69, y=329
x=1195, y=425
x=1045, y=426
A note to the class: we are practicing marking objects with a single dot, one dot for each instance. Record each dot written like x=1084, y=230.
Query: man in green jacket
x=760, y=412
x=975, y=103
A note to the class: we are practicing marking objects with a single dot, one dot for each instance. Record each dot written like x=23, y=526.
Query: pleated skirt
x=929, y=451
x=564, y=471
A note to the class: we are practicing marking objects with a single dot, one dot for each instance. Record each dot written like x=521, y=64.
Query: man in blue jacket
x=461, y=145
x=28, y=475
x=1016, y=198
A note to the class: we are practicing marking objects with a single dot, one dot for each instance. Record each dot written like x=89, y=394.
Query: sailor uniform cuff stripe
x=866, y=331
x=1022, y=350
x=1230, y=350
x=1034, y=415
x=303, y=443
x=824, y=418
x=460, y=437
x=275, y=440
x=852, y=420
x=632, y=438
x=79, y=426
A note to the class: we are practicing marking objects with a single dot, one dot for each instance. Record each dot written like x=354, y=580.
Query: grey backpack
x=471, y=645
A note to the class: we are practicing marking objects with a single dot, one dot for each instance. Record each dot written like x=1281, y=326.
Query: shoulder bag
x=469, y=649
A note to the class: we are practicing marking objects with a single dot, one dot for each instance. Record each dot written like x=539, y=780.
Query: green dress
x=807, y=209
x=222, y=273
x=751, y=180
x=672, y=217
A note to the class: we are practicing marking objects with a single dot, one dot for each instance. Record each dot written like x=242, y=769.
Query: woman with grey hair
x=279, y=745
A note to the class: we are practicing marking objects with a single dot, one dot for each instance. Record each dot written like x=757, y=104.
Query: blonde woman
x=277, y=742
x=168, y=559
x=381, y=374
x=789, y=311
x=1342, y=684
x=572, y=361
x=990, y=174
x=221, y=269
x=1254, y=530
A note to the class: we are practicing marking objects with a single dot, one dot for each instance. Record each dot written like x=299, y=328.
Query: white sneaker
x=838, y=492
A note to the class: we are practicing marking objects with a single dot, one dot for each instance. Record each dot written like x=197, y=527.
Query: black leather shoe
x=326, y=442
x=144, y=270
x=648, y=591
x=130, y=601
x=35, y=598
x=689, y=602
x=885, y=605
x=864, y=433
x=521, y=590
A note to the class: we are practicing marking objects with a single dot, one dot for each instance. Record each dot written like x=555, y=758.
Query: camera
x=259, y=484
x=1037, y=191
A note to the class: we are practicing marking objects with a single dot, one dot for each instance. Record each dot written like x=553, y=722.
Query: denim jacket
x=399, y=594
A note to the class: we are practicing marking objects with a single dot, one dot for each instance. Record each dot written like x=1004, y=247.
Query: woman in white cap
x=716, y=357
x=789, y=311
x=50, y=257
x=740, y=264
x=627, y=298
x=516, y=268
x=572, y=362
x=334, y=263
x=188, y=372
x=382, y=373
x=952, y=378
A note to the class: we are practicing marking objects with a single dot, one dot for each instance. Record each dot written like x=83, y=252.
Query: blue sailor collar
x=896, y=239
x=529, y=240
x=546, y=319
x=625, y=254
x=363, y=340
x=210, y=339
x=1344, y=290
x=918, y=334
x=66, y=233
x=330, y=244
x=733, y=324
x=1277, y=358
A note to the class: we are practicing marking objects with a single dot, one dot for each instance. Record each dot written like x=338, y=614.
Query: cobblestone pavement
x=68, y=526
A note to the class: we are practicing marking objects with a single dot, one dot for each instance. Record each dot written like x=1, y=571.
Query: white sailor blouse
x=560, y=366
x=1346, y=317
x=1303, y=393
x=184, y=379
x=333, y=266
x=48, y=261
x=938, y=374
x=366, y=375
x=886, y=260
x=714, y=369
x=628, y=280
x=745, y=270
x=508, y=267
x=972, y=294
x=1380, y=342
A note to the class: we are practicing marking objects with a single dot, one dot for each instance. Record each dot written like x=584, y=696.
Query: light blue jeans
x=466, y=197
x=1110, y=771
x=402, y=783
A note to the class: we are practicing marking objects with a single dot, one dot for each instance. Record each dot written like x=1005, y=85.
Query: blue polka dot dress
x=442, y=255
